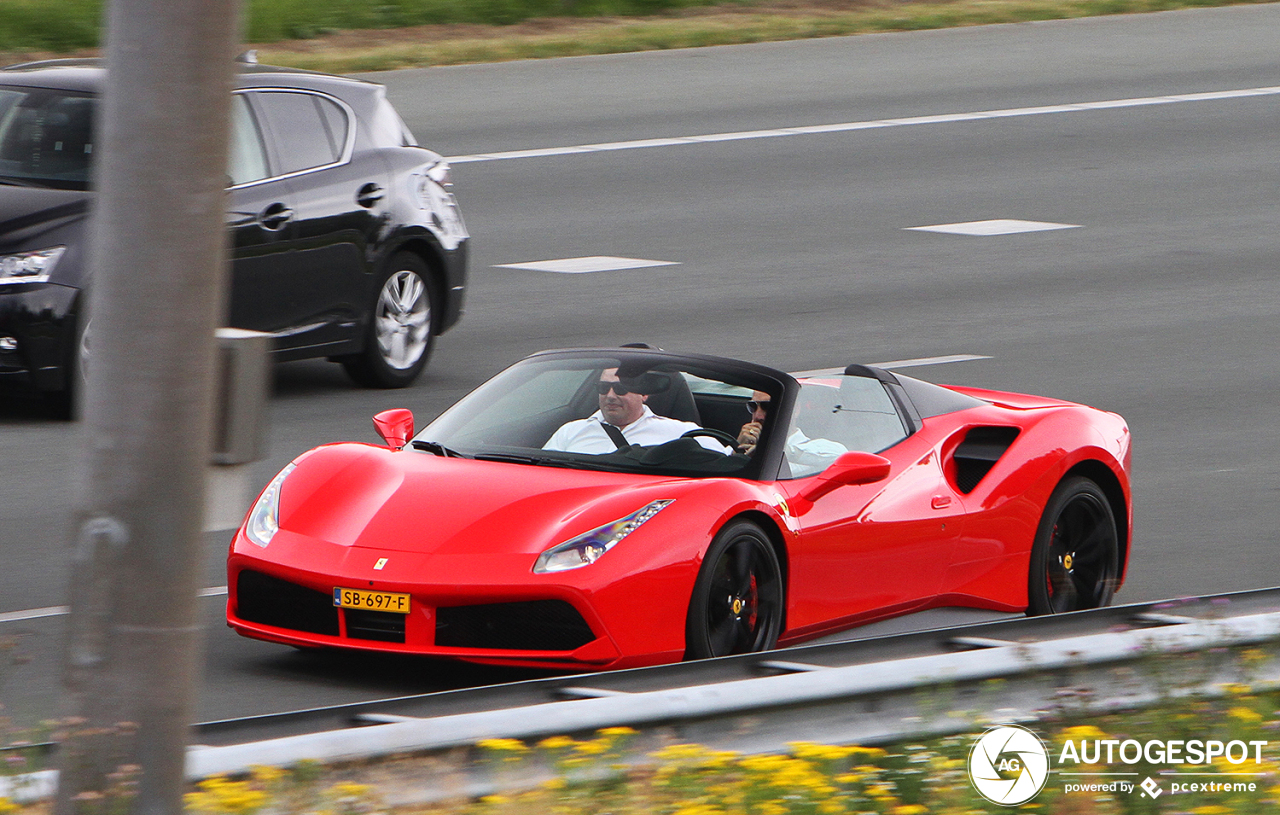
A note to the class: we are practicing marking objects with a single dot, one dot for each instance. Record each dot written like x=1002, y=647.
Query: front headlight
x=264, y=519
x=587, y=548
x=29, y=267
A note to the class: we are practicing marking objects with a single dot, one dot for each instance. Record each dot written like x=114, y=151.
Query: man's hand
x=748, y=436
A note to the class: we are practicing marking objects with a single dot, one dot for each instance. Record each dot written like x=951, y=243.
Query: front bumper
x=39, y=319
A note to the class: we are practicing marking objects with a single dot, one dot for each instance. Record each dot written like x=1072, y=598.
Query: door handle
x=941, y=501
x=275, y=217
x=369, y=195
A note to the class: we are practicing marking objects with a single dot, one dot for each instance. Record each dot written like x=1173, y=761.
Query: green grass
x=603, y=26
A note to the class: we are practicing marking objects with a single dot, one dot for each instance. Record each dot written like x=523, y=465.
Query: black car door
x=338, y=206
x=262, y=223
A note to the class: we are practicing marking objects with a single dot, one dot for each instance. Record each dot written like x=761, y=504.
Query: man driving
x=623, y=419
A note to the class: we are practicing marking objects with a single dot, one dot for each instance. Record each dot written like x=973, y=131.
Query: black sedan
x=347, y=241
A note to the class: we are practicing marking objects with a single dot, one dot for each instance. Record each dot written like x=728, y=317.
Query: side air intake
x=978, y=453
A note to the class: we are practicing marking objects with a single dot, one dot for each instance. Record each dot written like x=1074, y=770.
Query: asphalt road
x=797, y=250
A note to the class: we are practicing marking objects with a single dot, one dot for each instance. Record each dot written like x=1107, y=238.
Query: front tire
x=1075, y=560
x=401, y=328
x=738, y=598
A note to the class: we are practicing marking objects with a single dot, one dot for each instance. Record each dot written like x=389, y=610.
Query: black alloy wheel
x=738, y=599
x=401, y=327
x=1075, y=560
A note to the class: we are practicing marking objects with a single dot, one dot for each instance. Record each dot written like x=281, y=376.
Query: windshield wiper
x=18, y=181
x=437, y=448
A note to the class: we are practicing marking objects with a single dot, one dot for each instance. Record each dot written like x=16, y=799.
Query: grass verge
x=746, y=21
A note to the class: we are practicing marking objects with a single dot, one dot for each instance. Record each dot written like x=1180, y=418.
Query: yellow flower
x=617, y=732
x=1212, y=809
x=7, y=806
x=556, y=743
x=909, y=809
x=591, y=748
x=1082, y=731
x=1244, y=714
x=678, y=752
x=266, y=775
x=504, y=745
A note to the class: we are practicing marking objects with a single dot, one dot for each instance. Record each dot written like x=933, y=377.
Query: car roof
x=89, y=75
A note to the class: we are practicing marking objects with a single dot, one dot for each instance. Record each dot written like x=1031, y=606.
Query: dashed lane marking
x=595, y=263
x=1002, y=226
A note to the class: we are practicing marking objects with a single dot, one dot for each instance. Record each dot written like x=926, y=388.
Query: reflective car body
x=867, y=495
x=328, y=194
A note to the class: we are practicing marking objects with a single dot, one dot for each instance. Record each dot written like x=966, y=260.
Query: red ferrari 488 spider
x=603, y=508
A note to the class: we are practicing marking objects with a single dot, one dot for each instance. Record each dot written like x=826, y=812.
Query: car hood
x=371, y=497
x=26, y=212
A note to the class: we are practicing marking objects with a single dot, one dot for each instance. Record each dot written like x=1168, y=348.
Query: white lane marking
x=899, y=363
x=595, y=263
x=944, y=118
x=59, y=611
x=915, y=363
x=33, y=614
x=998, y=226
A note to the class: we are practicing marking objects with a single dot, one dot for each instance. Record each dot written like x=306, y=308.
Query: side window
x=838, y=414
x=248, y=155
x=309, y=130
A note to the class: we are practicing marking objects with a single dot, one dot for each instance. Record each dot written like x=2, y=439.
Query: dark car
x=347, y=242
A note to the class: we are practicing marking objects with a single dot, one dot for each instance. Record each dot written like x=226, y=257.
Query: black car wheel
x=400, y=333
x=1075, y=559
x=738, y=599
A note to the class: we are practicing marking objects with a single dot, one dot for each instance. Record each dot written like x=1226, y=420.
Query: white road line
x=586, y=265
x=900, y=363
x=59, y=611
x=999, y=226
x=944, y=118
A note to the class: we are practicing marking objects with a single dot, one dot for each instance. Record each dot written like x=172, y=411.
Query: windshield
x=46, y=137
x=623, y=412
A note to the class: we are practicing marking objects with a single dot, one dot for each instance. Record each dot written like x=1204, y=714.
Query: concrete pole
x=158, y=254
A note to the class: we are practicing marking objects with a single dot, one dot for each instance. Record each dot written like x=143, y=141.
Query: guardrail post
x=242, y=387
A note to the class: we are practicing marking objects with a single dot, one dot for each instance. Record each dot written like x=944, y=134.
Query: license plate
x=371, y=600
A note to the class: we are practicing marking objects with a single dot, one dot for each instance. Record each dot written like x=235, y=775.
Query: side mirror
x=852, y=468
x=395, y=426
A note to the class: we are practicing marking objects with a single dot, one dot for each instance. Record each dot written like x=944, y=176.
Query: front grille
x=268, y=600
x=535, y=625
x=383, y=626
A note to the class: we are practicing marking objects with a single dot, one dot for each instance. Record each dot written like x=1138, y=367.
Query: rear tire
x=738, y=598
x=1075, y=560
x=401, y=330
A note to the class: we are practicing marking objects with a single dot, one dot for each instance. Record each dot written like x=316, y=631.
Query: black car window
x=309, y=130
x=248, y=157
x=46, y=136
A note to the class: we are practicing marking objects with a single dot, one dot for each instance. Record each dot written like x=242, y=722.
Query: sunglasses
x=753, y=406
x=617, y=387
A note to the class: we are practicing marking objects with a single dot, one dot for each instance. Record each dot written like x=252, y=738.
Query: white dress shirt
x=589, y=436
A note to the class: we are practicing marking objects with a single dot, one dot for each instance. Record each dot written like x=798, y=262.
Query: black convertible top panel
x=935, y=400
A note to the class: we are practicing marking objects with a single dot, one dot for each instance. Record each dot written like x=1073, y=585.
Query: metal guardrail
x=868, y=691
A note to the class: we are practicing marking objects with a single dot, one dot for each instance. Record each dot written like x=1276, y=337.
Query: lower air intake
x=536, y=625
x=268, y=600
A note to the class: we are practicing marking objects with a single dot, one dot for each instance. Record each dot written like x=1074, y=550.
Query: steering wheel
x=718, y=435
